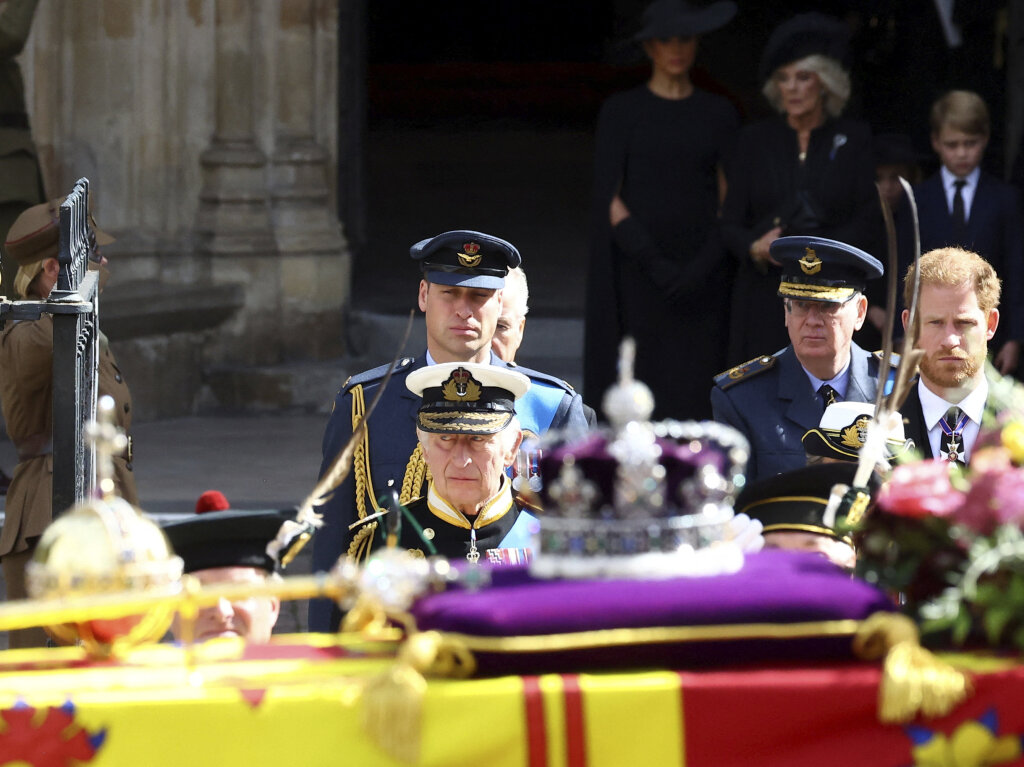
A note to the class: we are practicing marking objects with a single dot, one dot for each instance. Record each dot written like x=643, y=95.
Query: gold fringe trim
x=392, y=704
x=914, y=681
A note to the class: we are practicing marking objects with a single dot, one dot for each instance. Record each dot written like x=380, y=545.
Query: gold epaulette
x=748, y=369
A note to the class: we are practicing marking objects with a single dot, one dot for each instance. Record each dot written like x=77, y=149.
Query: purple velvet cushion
x=774, y=587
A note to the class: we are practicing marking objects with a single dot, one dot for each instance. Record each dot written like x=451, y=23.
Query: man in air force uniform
x=460, y=295
x=775, y=399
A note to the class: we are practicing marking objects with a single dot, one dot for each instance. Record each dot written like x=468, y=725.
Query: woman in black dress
x=657, y=259
x=807, y=171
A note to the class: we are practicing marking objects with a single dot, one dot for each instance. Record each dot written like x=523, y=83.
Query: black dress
x=660, y=276
x=830, y=194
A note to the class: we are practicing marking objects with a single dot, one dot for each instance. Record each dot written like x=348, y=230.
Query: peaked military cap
x=465, y=397
x=818, y=269
x=466, y=258
x=35, y=236
x=796, y=500
x=679, y=18
x=805, y=34
x=843, y=429
x=231, y=539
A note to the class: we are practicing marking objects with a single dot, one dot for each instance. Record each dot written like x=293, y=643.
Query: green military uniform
x=20, y=180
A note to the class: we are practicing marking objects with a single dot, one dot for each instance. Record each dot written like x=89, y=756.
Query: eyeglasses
x=824, y=308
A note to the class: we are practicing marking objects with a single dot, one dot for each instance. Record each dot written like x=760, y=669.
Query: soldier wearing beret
x=469, y=434
x=775, y=399
x=460, y=295
x=231, y=547
x=26, y=391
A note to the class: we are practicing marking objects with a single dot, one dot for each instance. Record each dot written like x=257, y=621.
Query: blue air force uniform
x=388, y=456
x=770, y=399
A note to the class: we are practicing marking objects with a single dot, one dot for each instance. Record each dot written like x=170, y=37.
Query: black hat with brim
x=466, y=398
x=466, y=259
x=678, y=18
x=795, y=501
x=819, y=269
x=842, y=432
x=805, y=34
x=231, y=538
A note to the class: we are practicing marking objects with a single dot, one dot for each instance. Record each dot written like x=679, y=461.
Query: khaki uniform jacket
x=26, y=390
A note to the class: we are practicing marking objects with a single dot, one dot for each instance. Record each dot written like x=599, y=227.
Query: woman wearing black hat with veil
x=807, y=171
x=656, y=259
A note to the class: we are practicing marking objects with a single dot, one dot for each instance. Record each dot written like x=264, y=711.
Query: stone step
x=300, y=386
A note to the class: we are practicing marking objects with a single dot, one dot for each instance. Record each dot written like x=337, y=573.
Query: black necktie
x=828, y=394
x=951, y=444
x=959, y=217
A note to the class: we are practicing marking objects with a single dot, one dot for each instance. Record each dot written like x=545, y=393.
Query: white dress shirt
x=933, y=408
x=840, y=382
x=949, y=184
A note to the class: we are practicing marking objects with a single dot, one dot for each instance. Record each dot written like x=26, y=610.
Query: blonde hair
x=834, y=79
x=964, y=111
x=953, y=268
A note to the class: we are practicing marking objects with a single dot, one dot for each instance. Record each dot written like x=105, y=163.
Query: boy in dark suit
x=963, y=206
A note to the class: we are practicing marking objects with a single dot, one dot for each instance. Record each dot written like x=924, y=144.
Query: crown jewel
x=638, y=498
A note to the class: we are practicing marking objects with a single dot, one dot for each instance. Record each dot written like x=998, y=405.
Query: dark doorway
x=480, y=115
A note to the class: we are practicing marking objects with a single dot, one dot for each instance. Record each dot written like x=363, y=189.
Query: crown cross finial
x=628, y=399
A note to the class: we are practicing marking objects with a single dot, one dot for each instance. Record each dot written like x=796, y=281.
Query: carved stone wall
x=208, y=129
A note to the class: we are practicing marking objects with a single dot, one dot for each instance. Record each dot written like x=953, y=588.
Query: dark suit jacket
x=994, y=231
x=774, y=408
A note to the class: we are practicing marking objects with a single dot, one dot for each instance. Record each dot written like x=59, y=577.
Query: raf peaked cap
x=817, y=269
x=465, y=397
x=804, y=35
x=678, y=18
x=228, y=538
x=843, y=428
x=466, y=258
x=796, y=500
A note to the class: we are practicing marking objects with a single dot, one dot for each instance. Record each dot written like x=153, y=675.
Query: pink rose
x=920, y=489
x=995, y=498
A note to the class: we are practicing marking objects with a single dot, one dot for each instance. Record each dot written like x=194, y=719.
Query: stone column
x=233, y=212
x=315, y=262
x=233, y=226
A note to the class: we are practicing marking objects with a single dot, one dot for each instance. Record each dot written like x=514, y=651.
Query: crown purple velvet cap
x=680, y=460
x=647, y=488
x=775, y=588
